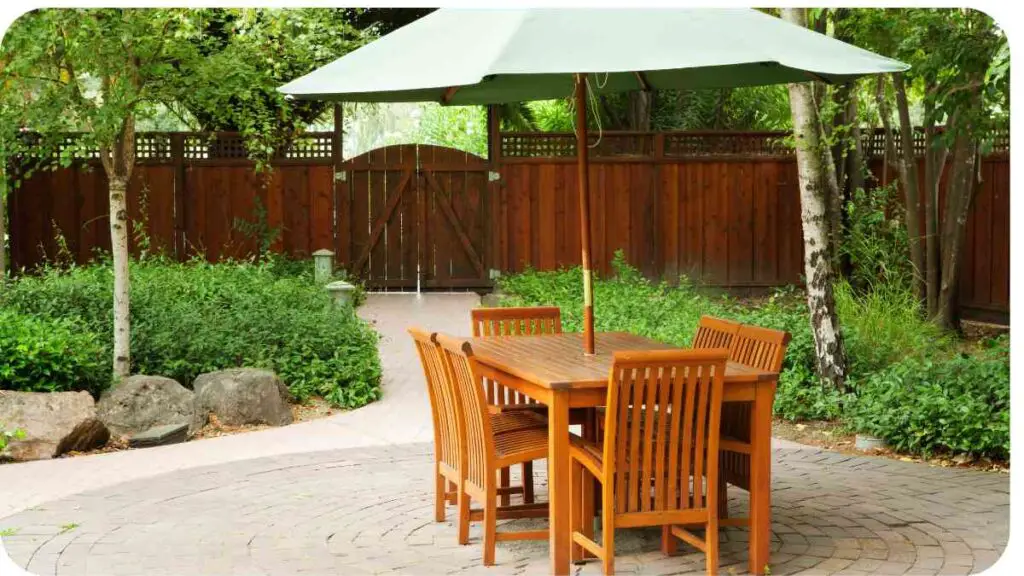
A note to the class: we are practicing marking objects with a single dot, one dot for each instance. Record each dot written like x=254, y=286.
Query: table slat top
x=556, y=361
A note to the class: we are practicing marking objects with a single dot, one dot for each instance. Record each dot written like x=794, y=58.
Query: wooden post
x=178, y=160
x=583, y=166
x=493, y=135
x=338, y=137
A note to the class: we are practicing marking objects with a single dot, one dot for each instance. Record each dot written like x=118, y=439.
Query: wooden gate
x=414, y=215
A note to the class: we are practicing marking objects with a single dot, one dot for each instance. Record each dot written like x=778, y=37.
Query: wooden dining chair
x=484, y=453
x=714, y=333
x=760, y=348
x=520, y=321
x=446, y=431
x=514, y=322
x=661, y=424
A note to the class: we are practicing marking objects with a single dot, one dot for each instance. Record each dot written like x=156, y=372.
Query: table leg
x=761, y=477
x=559, y=484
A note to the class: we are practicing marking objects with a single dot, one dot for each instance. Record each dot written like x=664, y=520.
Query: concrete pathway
x=402, y=416
x=350, y=494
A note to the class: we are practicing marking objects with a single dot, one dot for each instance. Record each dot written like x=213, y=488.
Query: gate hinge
x=493, y=176
x=341, y=176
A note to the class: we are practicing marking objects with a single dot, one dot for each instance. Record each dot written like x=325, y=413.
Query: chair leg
x=490, y=526
x=440, y=496
x=587, y=497
x=463, y=517
x=575, y=510
x=608, y=530
x=668, y=541
x=528, y=482
x=505, y=482
x=453, y=488
x=711, y=545
x=723, y=498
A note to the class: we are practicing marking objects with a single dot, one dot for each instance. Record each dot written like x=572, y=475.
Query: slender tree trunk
x=911, y=192
x=118, y=161
x=935, y=160
x=812, y=157
x=3, y=224
x=640, y=105
x=959, y=194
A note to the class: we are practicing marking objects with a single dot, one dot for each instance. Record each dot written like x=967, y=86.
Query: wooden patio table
x=553, y=370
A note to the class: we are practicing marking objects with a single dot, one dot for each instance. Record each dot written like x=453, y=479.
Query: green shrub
x=197, y=317
x=955, y=404
x=50, y=355
x=886, y=338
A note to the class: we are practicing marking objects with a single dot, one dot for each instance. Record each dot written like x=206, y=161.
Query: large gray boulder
x=54, y=423
x=243, y=396
x=142, y=402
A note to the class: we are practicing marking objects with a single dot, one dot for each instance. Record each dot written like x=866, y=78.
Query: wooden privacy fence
x=722, y=208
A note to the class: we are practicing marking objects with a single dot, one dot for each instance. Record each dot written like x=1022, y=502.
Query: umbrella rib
x=446, y=98
x=818, y=77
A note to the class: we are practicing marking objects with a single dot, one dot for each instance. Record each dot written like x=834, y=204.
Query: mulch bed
x=834, y=437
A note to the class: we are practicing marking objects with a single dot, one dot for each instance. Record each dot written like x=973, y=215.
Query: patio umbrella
x=473, y=57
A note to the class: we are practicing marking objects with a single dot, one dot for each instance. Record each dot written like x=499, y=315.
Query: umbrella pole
x=583, y=167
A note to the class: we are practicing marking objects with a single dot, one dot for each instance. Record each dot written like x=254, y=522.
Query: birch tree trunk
x=911, y=192
x=814, y=163
x=118, y=161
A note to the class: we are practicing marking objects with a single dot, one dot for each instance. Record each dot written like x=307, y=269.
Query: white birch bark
x=813, y=170
x=118, y=161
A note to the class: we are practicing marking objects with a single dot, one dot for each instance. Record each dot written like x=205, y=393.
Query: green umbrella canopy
x=492, y=56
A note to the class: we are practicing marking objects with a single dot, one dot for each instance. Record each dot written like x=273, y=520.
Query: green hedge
x=49, y=355
x=955, y=404
x=886, y=340
x=197, y=317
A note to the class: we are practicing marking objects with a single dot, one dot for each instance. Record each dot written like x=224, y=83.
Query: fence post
x=178, y=161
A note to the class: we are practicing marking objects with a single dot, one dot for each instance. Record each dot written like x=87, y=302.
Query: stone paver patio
x=351, y=494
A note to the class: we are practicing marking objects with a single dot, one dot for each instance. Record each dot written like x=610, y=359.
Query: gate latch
x=493, y=176
x=341, y=176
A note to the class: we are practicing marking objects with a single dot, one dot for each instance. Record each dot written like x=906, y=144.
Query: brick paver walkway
x=369, y=510
x=351, y=495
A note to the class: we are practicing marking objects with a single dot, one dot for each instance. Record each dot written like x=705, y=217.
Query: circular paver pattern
x=363, y=511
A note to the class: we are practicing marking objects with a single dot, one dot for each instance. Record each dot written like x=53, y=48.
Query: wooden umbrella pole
x=583, y=166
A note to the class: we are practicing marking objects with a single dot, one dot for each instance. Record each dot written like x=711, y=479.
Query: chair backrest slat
x=471, y=408
x=714, y=333
x=525, y=321
x=760, y=348
x=442, y=401
x=516, y=321
x=661, y=424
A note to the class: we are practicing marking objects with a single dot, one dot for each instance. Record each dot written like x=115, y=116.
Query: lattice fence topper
x=152, y=146
x=697, y=144
x=197, y=146
x=712, y=144
x=560, y=145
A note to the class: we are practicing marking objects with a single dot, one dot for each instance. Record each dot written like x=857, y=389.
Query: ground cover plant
x=910, y=383
x=187, y=318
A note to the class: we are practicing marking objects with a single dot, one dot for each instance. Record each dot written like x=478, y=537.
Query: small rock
x=242, y=396
x=160, y=436
x=142, y=402
x=54, y=423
